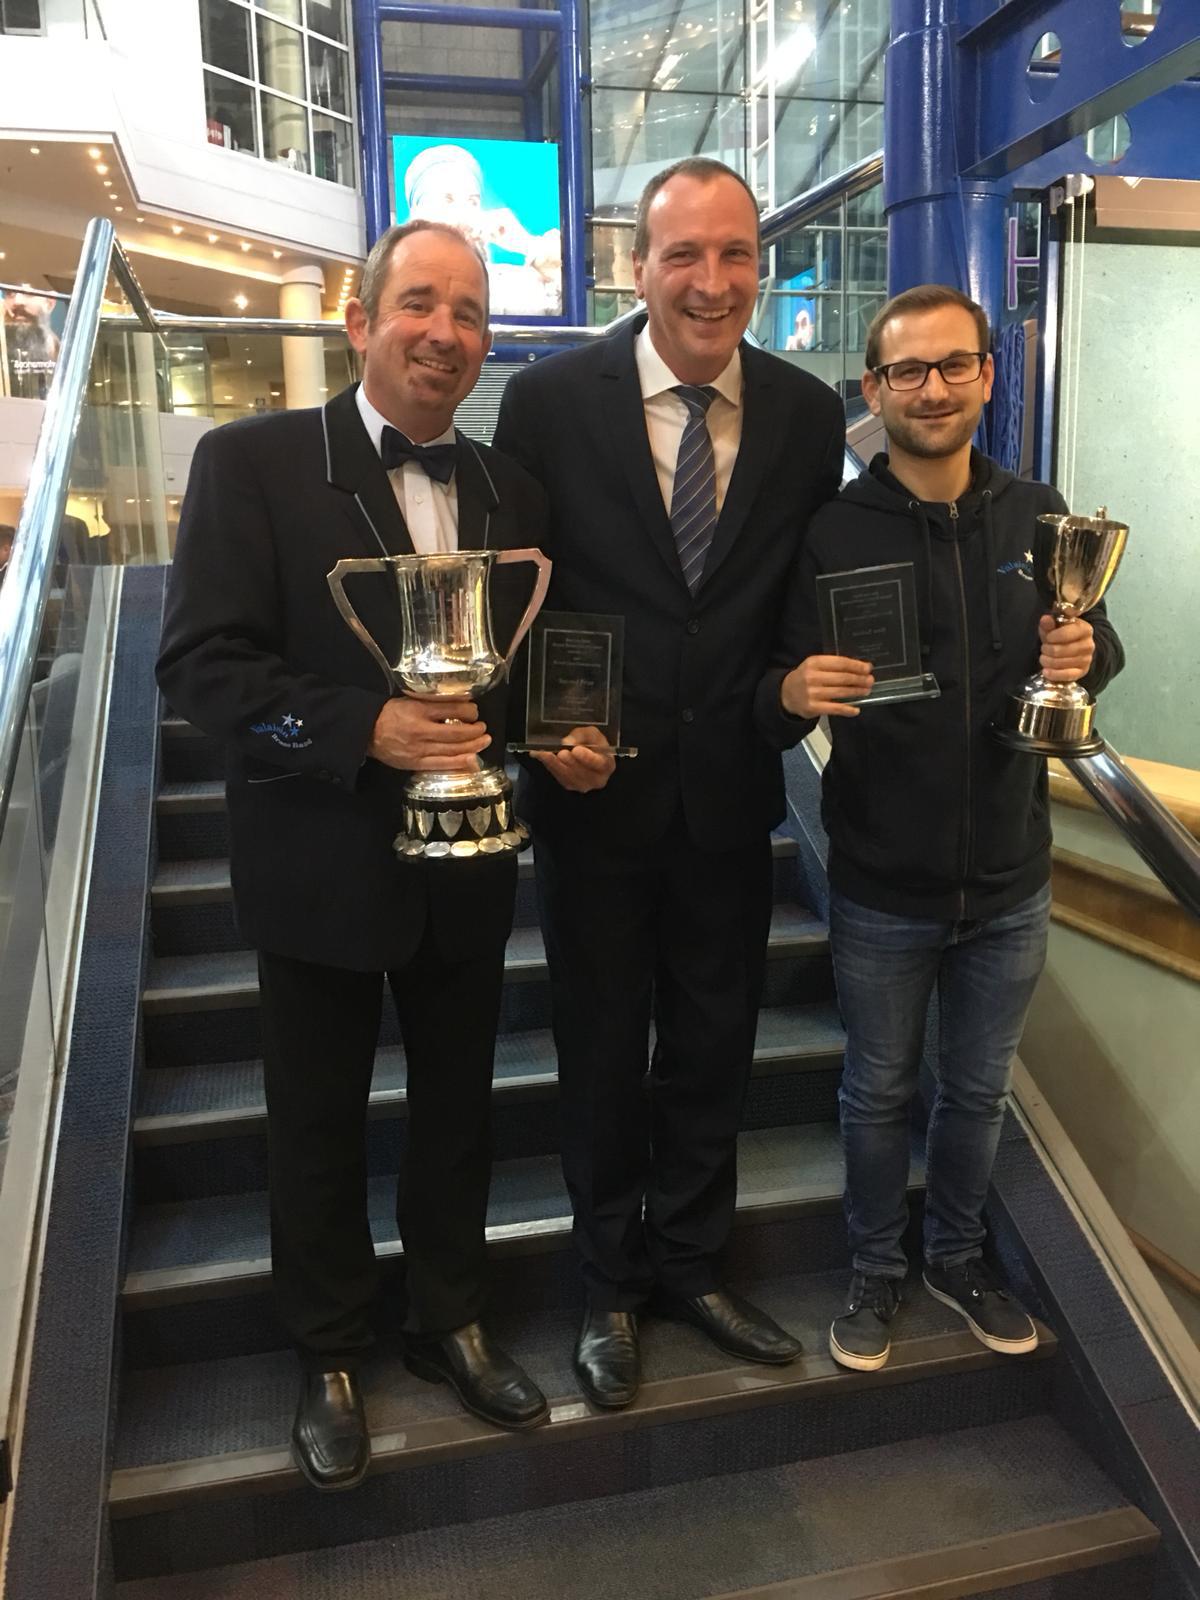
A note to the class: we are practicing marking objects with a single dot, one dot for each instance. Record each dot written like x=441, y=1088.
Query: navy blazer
x=692, y=663
x=255, y=653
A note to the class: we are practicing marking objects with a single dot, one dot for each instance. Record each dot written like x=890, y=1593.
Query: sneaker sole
x=856, y=1363
x=1002, y=1347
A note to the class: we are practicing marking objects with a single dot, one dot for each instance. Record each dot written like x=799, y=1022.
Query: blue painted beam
x=467, y=16
x=1164, y=143
x=448, y=83
x=372, y=120
x=571, y=85
x=1001, y=128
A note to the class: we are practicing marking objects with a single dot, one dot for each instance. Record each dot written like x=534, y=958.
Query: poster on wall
x=502, y=193
x=31, y=326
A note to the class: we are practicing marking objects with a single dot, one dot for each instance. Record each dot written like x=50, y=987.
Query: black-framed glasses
x=963, y=366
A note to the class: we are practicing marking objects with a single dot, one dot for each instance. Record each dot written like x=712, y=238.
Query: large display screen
x=504, y=194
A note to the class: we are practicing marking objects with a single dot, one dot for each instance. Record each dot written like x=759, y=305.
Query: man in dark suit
x=255, y=653
x=681, y=466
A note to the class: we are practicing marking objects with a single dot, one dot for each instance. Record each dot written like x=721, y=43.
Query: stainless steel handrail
x=1161, y=840
x=844, y=185
x=26, y=586
x=172, y=322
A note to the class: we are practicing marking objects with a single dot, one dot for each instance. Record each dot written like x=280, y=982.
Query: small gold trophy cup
x=1055, y=719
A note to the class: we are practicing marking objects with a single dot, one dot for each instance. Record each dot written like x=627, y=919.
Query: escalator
x=151, y=1409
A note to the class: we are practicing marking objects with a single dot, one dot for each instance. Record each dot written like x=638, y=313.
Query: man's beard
x=908, y=434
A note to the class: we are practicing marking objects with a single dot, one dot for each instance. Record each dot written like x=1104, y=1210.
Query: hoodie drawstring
x=918, y=510
x=989, y=534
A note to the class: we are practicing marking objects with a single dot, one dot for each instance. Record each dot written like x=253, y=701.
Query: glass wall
x=277, y=83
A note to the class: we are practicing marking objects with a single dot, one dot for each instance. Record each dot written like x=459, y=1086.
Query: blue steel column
x=372, y=118
x=941, y=229
x=570, y=116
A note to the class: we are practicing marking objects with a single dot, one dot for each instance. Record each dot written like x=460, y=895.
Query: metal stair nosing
x=144, y=1490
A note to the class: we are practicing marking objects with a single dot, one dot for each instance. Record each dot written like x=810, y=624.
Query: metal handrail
x=844, y=185
x=1161, y=840
x=26, y=587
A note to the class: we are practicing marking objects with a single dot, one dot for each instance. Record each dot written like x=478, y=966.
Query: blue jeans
x=886, y=968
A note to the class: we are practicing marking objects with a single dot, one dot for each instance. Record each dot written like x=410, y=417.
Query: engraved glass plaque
x=574, y=680
x=870, y=614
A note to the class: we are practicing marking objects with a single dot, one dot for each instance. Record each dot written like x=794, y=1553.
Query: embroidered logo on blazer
x=287, y=732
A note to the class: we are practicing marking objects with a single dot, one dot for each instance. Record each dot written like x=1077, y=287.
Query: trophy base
x=892, y=690
x=1049, y=719
x=459, y=816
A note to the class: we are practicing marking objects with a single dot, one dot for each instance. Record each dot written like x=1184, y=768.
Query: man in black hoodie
x=939, y=836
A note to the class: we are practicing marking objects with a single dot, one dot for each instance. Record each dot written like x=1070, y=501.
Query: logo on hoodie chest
x=1022, y=568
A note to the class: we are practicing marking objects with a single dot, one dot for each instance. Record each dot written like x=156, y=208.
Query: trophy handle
x=350, y=617
x=536, y=599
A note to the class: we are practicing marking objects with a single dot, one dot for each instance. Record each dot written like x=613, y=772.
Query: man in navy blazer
x=681, y=466
x=318, y=747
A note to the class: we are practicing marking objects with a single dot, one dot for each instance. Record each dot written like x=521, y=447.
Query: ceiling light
x=35, y=149
x=245, y=246
x=212, y=237
x=3, y=255
x=176, y=229
x=228, y=397
x=278, y=254
x=249, y=362
x=141, y=219
x=240, y=301
x=101, y=168
x=93, y=152
x=792, y=54
x=108, y=183
x=118, y=208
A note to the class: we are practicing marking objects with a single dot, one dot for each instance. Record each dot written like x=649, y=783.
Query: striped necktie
x=694, y=495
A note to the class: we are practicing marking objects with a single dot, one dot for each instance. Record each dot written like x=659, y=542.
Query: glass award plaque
x=574, y=680
x=870, y=614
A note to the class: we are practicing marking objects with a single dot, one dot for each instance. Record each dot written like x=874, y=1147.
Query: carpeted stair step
x=740, y=1496
x=192, y=900
x=204, y=1008
x=202, y=1129
x=188, y=755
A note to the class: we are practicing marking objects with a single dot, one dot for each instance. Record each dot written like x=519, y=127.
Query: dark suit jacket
x=692, y=663
x=255, y=653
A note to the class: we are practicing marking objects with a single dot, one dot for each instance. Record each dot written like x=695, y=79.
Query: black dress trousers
x=320, y=1028
x=675, y=934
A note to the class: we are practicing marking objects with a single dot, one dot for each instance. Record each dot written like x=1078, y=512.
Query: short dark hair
x=704, y=169
x=375, y=269
x=925, y=297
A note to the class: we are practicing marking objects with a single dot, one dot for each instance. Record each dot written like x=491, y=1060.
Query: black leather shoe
x=330, y=1442
x=487, y=1381
x=608, y=1361
x=735, y=1326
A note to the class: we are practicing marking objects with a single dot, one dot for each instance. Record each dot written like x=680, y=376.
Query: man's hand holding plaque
x=869, y=619
x=821, y=685
x=573, y=697
x=585, y=763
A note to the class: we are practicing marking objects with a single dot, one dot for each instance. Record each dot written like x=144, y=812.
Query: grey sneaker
x=993, y=1316
x=859, y=1338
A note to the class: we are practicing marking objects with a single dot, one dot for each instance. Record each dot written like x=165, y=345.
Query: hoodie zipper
x=966, y=649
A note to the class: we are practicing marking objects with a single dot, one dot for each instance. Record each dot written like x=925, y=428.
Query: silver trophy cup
x=447, y=652
x=1055, y=719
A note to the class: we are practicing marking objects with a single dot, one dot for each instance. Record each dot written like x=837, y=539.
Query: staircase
x=946, y=1474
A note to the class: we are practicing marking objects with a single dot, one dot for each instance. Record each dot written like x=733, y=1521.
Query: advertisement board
x=31, y=326
x=502, y=193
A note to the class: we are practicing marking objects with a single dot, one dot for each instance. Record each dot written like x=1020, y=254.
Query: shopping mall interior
x=188, y=193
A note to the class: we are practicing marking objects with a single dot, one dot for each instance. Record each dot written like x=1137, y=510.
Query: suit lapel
x=353, y=466
x=621, y=399
x=477, y=498
x=760, y=428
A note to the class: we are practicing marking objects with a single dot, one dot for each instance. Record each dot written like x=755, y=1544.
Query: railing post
x=372, y=118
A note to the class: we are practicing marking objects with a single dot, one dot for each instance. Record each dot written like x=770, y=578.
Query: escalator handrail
x=1161, y=840
x=844, y=185
x=26, y=587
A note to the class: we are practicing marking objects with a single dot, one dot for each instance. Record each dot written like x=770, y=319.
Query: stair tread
x=244, y=1403
x=176, y=982
x=173, y=1095
x=775, y=1166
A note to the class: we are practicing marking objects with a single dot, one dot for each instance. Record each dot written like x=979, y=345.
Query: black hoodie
x=927, y=814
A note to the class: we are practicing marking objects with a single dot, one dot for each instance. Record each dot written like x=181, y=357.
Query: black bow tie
x=437, y=460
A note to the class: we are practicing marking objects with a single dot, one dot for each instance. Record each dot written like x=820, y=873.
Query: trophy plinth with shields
x=1055, y=719
x=446, y=653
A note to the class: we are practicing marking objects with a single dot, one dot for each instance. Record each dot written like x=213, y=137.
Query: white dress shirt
x=666, y=416
x=429, y=508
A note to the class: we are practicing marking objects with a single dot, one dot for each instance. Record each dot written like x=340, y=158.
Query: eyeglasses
x=964, y=366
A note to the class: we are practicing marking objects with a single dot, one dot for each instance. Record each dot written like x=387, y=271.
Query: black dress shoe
x=608, y=1361
x=487, y=1381
x=735, y=1326
x=330, y=1442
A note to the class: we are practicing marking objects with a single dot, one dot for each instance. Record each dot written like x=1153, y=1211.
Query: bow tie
x=437, y=460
